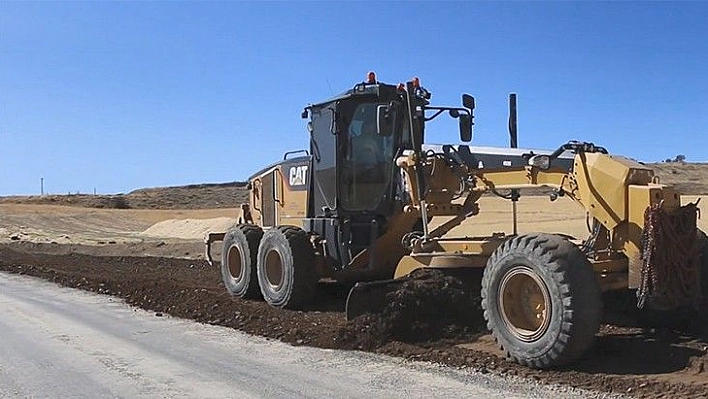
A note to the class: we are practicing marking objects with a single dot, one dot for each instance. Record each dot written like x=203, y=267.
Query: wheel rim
x=525, y=304
x=274, y=269
x=235, y=262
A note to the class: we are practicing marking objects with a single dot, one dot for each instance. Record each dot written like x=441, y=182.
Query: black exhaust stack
x=513, y=132
x=513, y=143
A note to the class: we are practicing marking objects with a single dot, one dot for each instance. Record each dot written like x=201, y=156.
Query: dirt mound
x=414, y=310
x=648, y=363
x=118, y=201
x=198, y=196
x=188, y=229
x=413, y=313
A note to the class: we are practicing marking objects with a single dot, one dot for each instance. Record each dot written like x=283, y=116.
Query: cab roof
x=359, y=90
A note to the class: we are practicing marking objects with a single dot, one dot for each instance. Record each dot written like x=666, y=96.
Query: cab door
x=323, y=147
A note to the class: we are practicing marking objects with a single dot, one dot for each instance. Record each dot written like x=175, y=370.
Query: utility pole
x=41, y=186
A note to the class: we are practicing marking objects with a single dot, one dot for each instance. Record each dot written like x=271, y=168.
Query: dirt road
x=648, y=363
x=59, y=342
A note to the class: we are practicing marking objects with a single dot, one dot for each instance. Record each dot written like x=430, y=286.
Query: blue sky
x=115, y=96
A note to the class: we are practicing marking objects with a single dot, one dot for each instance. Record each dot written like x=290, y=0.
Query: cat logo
x=298, y=175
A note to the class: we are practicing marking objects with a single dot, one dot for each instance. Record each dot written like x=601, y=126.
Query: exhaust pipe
x=513, y=143
x=513, y=132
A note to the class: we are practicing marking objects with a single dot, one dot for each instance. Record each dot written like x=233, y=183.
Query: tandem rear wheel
x=286, y=271
x=541, y=300
x=238, y=260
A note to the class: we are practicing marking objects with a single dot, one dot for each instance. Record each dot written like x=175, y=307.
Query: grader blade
x=370, y=297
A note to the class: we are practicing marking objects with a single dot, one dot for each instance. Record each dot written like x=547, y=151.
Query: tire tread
x=300, y=267
x=578, y=290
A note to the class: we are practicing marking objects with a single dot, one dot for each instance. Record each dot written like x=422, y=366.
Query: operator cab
x=367, y=159
x=355, y=139
x=353, y=160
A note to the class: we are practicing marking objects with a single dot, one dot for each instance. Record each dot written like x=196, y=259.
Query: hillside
x=689, y=178
x=196, y=196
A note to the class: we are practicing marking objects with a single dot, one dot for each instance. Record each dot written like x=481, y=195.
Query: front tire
x=238, y=260
x=541, y=300
x=286, y=270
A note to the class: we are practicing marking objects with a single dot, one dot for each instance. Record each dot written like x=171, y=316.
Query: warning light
x=416, y=82
x=400, y=87
x=371, y=78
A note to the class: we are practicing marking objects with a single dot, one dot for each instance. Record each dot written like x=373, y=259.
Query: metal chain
x=670, y=258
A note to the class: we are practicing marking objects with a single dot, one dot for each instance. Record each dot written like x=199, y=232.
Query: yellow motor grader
x=358, y=205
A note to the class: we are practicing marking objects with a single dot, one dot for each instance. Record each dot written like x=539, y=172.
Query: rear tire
x=238, y=260
x=541, y=300
x=286, y=270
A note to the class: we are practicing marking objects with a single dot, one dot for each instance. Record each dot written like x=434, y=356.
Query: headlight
x=540, y=161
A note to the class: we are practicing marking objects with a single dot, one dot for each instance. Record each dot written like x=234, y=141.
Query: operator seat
x=367, y=155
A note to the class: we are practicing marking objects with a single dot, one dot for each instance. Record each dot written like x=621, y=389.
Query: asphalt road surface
x=61, y=342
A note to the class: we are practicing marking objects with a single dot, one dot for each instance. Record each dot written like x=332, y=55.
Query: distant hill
x=689, y=178
x=196, y=196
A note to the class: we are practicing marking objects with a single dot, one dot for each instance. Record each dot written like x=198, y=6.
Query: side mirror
x=465, y=128
x=468, y=101
x=466, y=120
x=385, y=116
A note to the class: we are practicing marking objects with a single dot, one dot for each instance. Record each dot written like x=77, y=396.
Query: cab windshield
x=368, y=162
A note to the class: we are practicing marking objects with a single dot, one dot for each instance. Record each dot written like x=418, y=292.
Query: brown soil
x=642, y=362
x=688, y=178
x=87, y=248
x=196, y=196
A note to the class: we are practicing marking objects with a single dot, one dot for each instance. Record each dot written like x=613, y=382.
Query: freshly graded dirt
x=146, y=247
x=641, y=362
